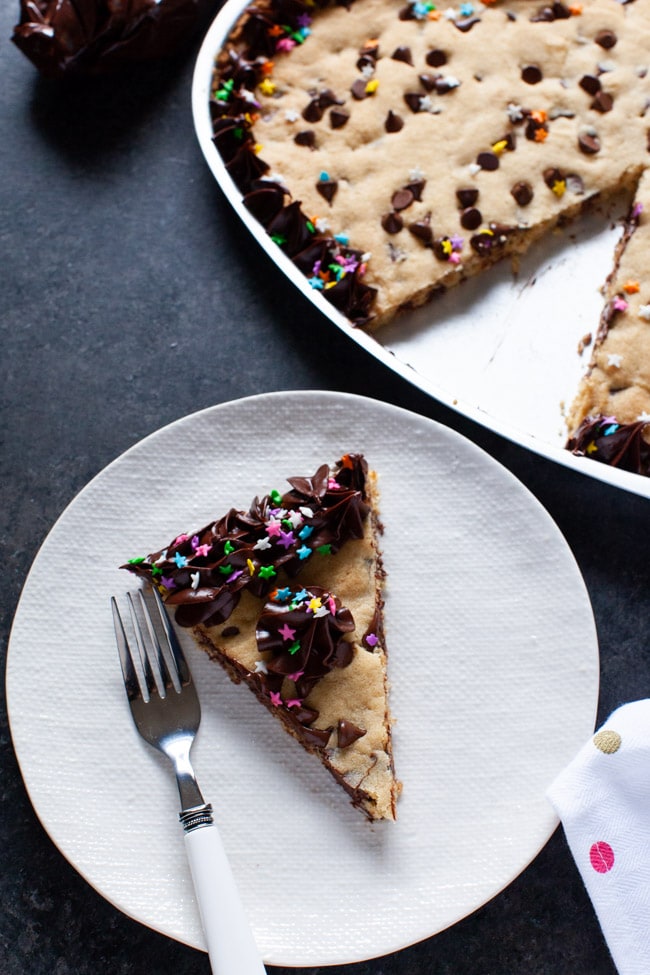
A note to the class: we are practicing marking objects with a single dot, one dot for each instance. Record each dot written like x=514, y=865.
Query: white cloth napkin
x=603, y=800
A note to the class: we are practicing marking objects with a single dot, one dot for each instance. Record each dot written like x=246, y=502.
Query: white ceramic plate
x=500, y=350
x=493, y=662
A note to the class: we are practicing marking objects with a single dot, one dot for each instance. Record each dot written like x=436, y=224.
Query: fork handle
x=231, y=946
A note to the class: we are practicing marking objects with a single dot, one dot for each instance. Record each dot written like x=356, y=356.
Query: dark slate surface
x=130, y=297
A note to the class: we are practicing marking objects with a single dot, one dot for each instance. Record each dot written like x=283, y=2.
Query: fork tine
x=155, y=672
x=182, y=669
x=131, y=681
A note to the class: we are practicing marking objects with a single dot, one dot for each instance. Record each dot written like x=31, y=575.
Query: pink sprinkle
x=294, y=702
x=276, y=700
x=295, y=677
x=454, y=258
x=620, y=304
x=273, y=528
x=180, y=540
x=285, y=44
x=332, y=605
x=601, y=857
x=332, y=484
x=638, y=210
x=286, y=632
x=202, y=549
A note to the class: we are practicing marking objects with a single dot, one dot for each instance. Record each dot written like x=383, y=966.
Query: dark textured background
x=130, y=297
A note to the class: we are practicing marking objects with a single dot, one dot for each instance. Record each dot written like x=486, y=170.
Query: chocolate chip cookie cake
x=287, y=597
x=392, y=149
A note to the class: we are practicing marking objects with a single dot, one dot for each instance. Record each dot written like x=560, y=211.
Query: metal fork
x=166, y=711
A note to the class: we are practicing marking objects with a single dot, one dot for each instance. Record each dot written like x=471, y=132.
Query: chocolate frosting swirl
x=622, y=445
x=202, y=575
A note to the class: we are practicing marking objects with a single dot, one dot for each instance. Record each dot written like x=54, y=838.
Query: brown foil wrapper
x=90, y=37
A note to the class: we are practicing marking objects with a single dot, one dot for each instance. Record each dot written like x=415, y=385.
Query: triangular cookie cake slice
x=287, y=597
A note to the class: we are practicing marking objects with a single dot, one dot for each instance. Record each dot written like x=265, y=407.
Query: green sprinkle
x=267, y=572
x=156, y=571
x=294, y=648
x=228, y=548
x=278, y=239
x=226, y=569
x=138, y=561
x=275, y=497
x=324, y=549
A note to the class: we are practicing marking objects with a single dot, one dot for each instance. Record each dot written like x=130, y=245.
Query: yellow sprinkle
x=315, y=604
x=251, y=567
x=592, y=448
x=500, y=146
x=257, y=148
x=330, y=284
x=372, y=86
x=559, y=187
x=267, y=87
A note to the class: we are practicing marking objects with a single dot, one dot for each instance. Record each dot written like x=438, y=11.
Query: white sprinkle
x=644, y=313
x=321, y=611
x=163, y=557
x=306, y=512
x=450, y=14
x=322, y=225
x=260, y=667
x=291, y=115
x=262, y=545
x=196, y=578
x=644, y=417
x=474, y=168
x=614, y=359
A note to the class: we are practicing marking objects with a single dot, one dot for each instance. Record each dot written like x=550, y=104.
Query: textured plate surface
x=500, y=349
x=493, y=663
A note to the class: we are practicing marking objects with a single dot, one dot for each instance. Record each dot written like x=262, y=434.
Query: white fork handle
x=231, y=946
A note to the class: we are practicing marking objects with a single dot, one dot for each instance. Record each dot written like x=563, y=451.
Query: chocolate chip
x=544, y=15
x=466, y=24
x=414, y=100
x=230, y=631
x=467, y=196
x=358, y=89
x=589, y=144
x=392, y=223
x=606, y=39
x=531, y=74
x=488, y=161
x=436, y=58
x=402, y=54
x=416, y=187
x=338, y=118
x=422, y=230
x=401, y=199
x=441, y=248
x=428, y=81
x=444, y=85
x=393, y=122
x=471, y=218
x=590, y=84
x=551, y=176
x=574, y=184
x=522, y=192
x=366, y=61
x=603, y=102
x=327, y=98
x=313, y=112
x=327, y=188
x=307, y=138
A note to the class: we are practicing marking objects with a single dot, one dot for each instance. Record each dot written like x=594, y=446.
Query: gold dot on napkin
x=607, y=741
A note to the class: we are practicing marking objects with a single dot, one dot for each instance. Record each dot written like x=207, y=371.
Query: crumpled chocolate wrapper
x=89, y=37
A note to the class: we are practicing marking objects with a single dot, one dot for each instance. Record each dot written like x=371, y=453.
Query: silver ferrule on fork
x=196, y=817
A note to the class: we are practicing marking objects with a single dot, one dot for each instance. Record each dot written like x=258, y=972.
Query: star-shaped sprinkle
x=294, y=648
x=286, y=539
x=228, y=547
x=267, y=572
x=196, y=578
x=261, y=545
x=620, y=304
x=179, y=540
x=286, y=632
x=168, y=582
x=202, y=550
x=295, y=677
x=305, y=532
x=273, y=528
x=180, y=560
x=321, y=611
x=281, y=595
x=303, y=552
x=260, y=667
x=644, y=313
x=315, y=603
x=301, y=595
x=276, y=700
x=372, y=639
x=614, y=359
x=293, y=702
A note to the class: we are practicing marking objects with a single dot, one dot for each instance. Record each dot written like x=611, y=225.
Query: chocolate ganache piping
x=622, y=445
x=241, y=67
x=203, y=574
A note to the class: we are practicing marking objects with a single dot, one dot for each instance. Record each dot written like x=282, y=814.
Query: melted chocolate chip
x=403, y=54
x=327, y=189
x=606, y=39
x=422, y=230
x=393, y=122
x=551, y=176
x=392, y=223
x=230, y=631
x=466, y=24
x=338, y=118
x=488, y=161
x=467, y=197
x=436, y=58
x=414, y=100
x=603, y=102
x=348, y=733
x=531, y=74
x=313, y=112
x=358, y=89
x=588, y=143
x=416, y=187
x=471, y=218
x=522, y=192
x=590, y=83
x=429, y=81
x=307, y=138
x=401, y=199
